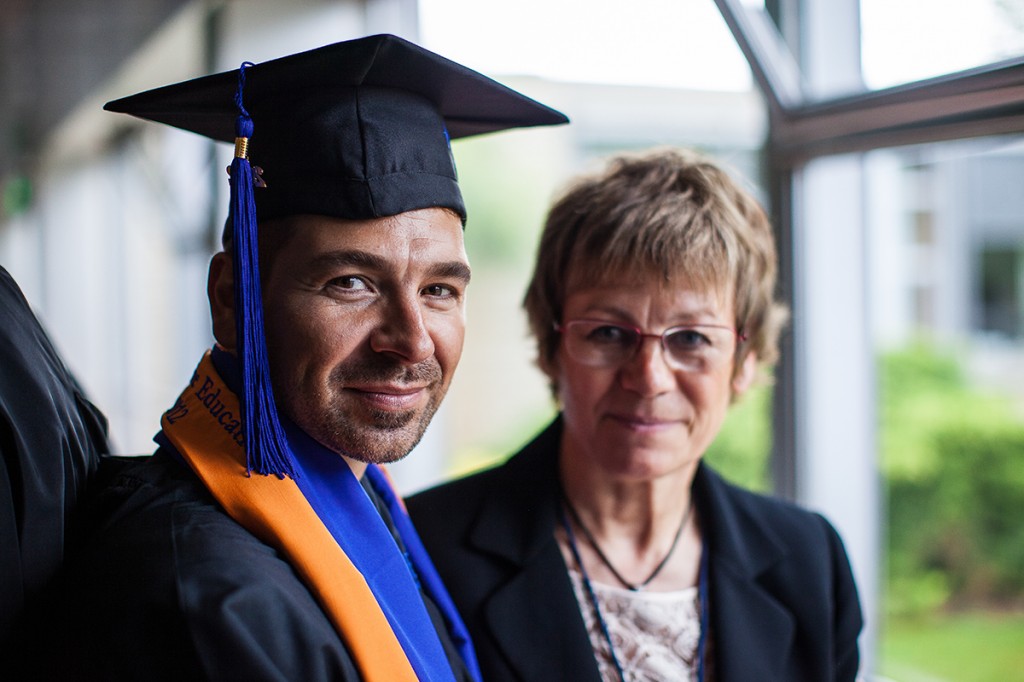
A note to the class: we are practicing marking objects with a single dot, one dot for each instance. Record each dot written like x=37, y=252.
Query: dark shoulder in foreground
x=170, y=587
x=51, y=439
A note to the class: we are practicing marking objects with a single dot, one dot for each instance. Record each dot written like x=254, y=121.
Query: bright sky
x=675, y=43
x=906, y=40
x=685, y=43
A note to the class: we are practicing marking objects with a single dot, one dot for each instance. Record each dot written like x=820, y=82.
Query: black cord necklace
x=702, y=587
x=633, y=587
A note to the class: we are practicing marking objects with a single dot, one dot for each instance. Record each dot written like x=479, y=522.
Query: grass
x=969, y=647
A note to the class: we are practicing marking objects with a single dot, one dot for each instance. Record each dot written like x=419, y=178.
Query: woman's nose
x=647, y=372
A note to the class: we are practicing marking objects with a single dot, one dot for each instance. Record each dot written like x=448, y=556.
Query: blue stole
x=393, y=576
x=340, y=501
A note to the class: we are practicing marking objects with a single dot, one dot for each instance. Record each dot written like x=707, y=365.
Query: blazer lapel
x=533, y=617
x=529, y=618
x=752, y=633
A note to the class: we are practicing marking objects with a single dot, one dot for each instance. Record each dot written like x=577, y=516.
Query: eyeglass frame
x=641, y=335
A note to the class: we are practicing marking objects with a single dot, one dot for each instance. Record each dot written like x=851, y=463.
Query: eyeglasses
x=692, y=348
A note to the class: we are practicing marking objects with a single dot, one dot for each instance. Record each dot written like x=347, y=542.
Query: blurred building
x=947, y=239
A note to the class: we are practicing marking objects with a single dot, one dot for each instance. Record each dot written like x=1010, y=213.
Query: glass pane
x=908, y=40
x=947, y=267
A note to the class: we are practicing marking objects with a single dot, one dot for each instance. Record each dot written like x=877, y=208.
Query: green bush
x=953, y=459
x=741, y=449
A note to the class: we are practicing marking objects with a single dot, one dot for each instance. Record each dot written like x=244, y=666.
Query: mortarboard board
x=353, y=130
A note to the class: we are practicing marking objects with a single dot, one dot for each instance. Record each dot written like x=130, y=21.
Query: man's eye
x=443, y=291
x=439, y=291
x=350, y=282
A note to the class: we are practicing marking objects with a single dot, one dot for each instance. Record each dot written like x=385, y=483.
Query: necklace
x=590, y=589
x=632, y=587
x=702, y=590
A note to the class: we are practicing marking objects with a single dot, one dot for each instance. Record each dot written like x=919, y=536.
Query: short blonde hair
x=670, y=213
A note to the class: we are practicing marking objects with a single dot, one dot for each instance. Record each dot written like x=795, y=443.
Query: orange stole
x=204, y=427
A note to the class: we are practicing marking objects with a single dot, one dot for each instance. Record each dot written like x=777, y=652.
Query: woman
x=606, y=549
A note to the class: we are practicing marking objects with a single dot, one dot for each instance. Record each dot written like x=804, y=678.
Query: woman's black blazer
x=783, y=602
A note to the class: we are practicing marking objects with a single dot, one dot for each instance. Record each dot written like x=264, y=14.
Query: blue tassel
x=266, y=448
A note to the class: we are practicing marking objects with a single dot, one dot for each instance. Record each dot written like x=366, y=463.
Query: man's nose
x=403, y=331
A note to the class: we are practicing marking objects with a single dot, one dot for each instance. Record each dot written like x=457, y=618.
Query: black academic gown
x=51, y=438
x=783, y=603
x=171, y=588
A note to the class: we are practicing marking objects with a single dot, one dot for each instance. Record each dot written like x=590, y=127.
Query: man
x=262, y=540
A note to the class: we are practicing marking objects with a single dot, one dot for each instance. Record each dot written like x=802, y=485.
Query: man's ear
x=220, y=288
x=744, y=376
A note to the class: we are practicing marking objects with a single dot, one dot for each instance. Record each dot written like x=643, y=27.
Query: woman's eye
x=684, y=339
x=608, y=334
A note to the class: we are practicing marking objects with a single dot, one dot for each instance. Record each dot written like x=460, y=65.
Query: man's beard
x=378, y=436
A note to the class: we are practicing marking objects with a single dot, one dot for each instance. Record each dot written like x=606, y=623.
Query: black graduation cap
x=357, y=129
x=354, y=130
